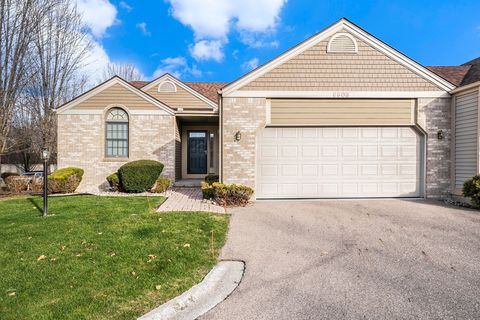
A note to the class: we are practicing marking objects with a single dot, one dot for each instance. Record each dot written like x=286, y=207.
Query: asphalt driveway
x=354, y=259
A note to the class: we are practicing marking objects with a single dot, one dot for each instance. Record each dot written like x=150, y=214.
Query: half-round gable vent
x=167, y=86
x=342, y=42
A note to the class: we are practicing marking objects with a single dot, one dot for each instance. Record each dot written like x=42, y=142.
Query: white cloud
x=125, y=6
x=207, y=50
x=255, y=41
x=95, y=63
x=258, y=16
x=207, y=18
x=143, y=27
x=213, y=20
x=250, y=64
x=177, y=67
x=97, y=15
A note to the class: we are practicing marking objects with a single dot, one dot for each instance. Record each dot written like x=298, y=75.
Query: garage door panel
x=371, y=162
x=349, y=133
x=329, y=133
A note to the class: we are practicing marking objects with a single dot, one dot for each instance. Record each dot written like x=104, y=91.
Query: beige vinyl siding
x=179, y=99
x=466, y=137
x=316, y=70
x=116, y=94
x=338, y=112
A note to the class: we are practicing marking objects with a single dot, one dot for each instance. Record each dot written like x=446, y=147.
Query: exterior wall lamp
x=238, y=136
x=45, y=156
x=440, y=135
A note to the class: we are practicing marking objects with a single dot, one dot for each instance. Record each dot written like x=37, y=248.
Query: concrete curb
x=217, y=285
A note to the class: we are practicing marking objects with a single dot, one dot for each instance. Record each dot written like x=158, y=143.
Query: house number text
x=340, y=94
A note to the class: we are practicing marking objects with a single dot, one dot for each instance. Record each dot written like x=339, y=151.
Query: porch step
x=187, y=183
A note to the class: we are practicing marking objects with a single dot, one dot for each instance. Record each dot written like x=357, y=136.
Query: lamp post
x=45, y=156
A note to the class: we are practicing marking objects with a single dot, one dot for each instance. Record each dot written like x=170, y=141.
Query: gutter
x=465, y=87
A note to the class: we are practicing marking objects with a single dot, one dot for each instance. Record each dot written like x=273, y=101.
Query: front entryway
x=197, y=152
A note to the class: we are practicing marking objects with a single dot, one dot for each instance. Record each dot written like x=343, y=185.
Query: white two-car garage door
x=336, y=162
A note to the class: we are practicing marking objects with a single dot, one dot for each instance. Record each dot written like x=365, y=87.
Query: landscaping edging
x=217, y=285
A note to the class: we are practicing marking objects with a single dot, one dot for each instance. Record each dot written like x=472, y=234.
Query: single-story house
x=341, y=114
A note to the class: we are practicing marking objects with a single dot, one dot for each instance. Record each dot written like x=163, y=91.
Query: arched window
x=342, y=43
x=116, y=142
x=167, y=86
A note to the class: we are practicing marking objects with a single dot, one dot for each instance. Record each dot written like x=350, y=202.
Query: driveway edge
x=217, y=285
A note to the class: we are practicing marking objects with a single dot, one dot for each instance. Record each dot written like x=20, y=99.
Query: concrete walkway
x=188, y=199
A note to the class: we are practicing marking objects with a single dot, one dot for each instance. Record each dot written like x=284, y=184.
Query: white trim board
x=86, y=111
x=342, y=24
x=107, y=84
x=169, y=77
x=337, y=94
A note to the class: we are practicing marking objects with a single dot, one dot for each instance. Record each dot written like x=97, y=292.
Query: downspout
x=220, y=140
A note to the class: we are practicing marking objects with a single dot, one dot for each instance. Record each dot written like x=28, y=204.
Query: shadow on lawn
x=36, y=205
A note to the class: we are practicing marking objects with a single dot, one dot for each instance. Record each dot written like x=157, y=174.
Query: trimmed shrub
x=114, y=182
x=211, y=178
x=207, y=190
x=139, y=176
x=65, y=180
x=227, y=194
x=17, y=183
x=161, y=185
x=36, y=184
x=471, y=189
x=5, y=175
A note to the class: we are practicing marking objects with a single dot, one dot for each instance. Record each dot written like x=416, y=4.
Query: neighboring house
x=341, y=114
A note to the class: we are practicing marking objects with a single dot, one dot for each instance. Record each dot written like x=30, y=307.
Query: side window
x=116, y=137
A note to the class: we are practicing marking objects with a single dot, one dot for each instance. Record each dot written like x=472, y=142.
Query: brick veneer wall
x=434, y=115
x=248, y=115
x=81, y=144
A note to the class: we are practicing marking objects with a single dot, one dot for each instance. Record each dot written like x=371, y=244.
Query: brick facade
x=247, y=115
x=81, y=144
x=434, y=115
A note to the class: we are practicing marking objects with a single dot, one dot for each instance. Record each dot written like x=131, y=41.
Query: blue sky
x=219, y=40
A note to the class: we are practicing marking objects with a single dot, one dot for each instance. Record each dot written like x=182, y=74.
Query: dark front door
x=197, y=152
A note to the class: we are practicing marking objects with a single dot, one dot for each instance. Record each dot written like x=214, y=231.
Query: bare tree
x=42, y=52
x=18, y=24
x=58, y=53
x=125, y=71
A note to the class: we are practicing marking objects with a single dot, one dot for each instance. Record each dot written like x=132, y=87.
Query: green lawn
x=100, y=257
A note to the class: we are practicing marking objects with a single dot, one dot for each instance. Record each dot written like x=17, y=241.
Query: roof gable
x=152, y=88
x=119, y=83
x=319, y=42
